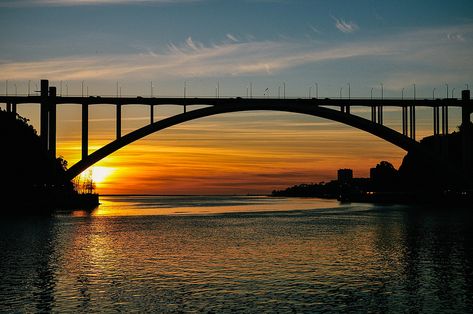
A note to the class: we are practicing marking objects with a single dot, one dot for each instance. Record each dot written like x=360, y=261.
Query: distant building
x=345, y=176
x=373, y=173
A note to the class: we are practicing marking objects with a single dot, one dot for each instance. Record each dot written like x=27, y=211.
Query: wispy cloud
x=421, y=53
x=190, y=59
x=232, y=37
x=345, y=26
x=314, y=29
x=34, y=3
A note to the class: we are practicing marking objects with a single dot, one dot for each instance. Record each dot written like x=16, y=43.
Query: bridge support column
x=380, y=114
x=404, y=121
x=118, y=127
x=13, y=108
x=412, y=122
x=151, y=114
x=85, y=130
x=444, y=120
x=436, y=120
x=44, y=115
x=185, y=108
x=466, y=137
x=9, y=108
x=373, y=114
x=52, y=122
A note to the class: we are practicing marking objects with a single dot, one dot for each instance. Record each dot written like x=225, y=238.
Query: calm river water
x=243, y=254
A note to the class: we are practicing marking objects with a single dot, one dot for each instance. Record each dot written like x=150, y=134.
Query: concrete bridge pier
x=444, y=142
x=412, y=122
x=466, y=137
x=85, y=130
x=118, y=127
x=404, y=121
x=52, y=122
x=380, y=114
x=151, y=114
x=11, y=107
x=436, y=120
x=445, y=120
x=373, y=114
x=44, y=115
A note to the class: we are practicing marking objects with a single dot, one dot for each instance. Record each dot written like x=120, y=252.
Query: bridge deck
x=358, y=102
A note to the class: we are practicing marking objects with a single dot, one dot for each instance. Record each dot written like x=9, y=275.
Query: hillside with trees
x=31, y=178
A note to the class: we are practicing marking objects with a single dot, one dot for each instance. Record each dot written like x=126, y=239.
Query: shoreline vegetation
x=33, y=180
x=415, y=182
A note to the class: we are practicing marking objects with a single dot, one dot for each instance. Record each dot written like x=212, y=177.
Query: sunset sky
x=266, y=43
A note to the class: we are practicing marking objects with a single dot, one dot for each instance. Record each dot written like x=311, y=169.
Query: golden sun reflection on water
x=203, y=205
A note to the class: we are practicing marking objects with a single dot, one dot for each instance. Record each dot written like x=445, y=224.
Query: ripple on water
x=365, y=259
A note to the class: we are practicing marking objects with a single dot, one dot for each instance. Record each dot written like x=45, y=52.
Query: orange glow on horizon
x=251, y=153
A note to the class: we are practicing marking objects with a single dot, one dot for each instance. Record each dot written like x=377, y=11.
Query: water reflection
x=28, y=255
x=358, y=258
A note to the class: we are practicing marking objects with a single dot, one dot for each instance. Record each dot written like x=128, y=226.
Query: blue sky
x=266, y=42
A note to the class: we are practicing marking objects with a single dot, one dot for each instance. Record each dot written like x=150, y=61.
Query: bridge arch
x=376, y=129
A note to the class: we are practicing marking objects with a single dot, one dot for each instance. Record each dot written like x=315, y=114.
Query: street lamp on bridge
x=433, y=93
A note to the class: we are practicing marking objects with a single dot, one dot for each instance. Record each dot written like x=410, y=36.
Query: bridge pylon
x=466, y=136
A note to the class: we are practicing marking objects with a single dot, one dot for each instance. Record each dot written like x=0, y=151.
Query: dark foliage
x=30, y=176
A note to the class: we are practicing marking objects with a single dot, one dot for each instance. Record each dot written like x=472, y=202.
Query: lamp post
x=453, y=92
x=402, y=94
x=316, y=90
x=433, y=93
x=310, y=91
x=341, y=88
x=447, y=89
x=371, y=93
x=382, y=91
x=349, y=90
x=29, y=82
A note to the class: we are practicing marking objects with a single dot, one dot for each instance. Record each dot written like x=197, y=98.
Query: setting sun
x=100, y=174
